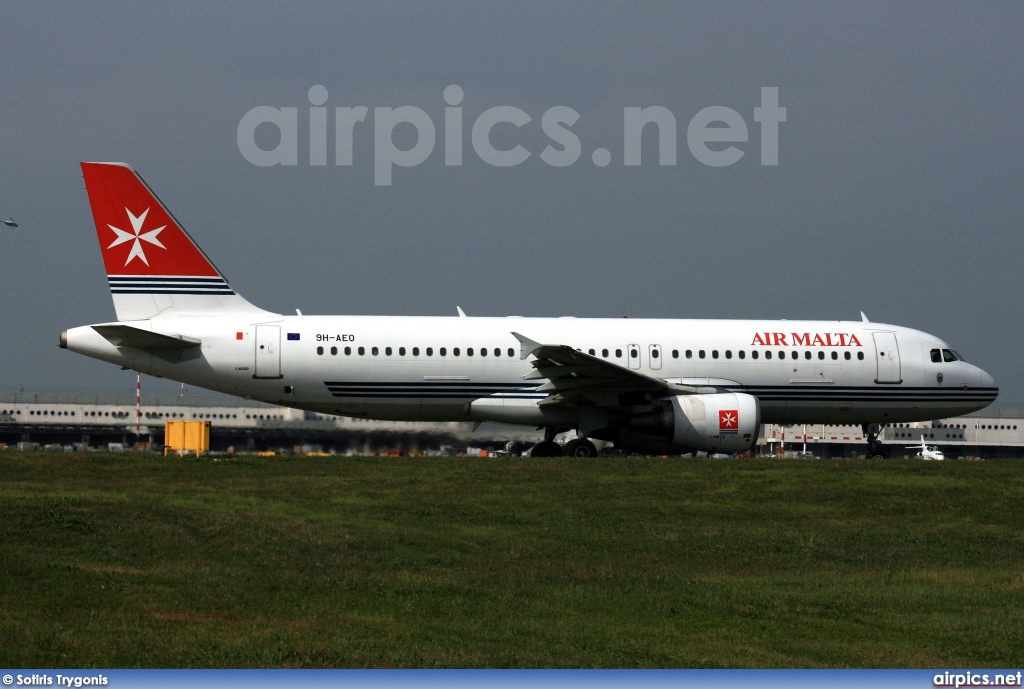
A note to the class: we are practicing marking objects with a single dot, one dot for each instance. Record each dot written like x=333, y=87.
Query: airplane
x=927, y=451
x=9, y=223
x=649, y=386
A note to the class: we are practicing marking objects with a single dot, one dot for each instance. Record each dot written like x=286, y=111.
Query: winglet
x=864, y=318
x=526, y=345
x=462, y=314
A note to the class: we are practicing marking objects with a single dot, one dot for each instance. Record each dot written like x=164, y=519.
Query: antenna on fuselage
x=864, y=318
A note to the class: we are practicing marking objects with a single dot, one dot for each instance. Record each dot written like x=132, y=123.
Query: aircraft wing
x=574, y=377
x=137, y=338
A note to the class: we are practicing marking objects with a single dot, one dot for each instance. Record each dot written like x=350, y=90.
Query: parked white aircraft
x=927, y=451
x=654, y=386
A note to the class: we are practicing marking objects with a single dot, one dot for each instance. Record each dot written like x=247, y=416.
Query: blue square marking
x=293, y=336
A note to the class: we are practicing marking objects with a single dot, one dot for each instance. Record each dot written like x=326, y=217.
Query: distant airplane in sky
x=9, y=223
x=651, y=386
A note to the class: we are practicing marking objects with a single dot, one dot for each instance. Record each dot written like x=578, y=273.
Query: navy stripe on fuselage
x=767, y=393
x=434, y=389
x=798, y=393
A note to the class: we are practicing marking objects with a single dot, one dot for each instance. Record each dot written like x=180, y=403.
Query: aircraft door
x=268, y=351
x=634, y=356
x=654, y=356
x=887, y=354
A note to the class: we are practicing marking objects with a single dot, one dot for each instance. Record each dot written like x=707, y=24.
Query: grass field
x=137, y=561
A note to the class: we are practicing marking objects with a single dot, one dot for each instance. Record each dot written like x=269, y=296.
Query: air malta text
x=806, y=340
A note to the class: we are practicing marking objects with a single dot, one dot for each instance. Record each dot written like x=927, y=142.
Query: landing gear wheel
x=546, y=448
x=580, y=447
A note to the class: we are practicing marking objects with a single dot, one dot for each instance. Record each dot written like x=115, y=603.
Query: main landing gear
x=871, y=432
x=578, y=447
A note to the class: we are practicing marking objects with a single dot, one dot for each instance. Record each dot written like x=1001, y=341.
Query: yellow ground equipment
x=187, y=436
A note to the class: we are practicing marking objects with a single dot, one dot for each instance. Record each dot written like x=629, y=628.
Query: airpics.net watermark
x=710, y=134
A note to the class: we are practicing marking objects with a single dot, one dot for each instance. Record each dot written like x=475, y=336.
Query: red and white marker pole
x=138, y=403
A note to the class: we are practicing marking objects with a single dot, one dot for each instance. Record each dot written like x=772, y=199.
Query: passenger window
x=655, y=354
x=821, y=355
x=430, y=351
x=754, y=354
x=618, y=353
x=375, y=351
x=387, y=351
x=728, y=354
x=835, y=355
x=469, y=351
x=443, y=351
x=401, y=351
x=807, y=355
x=714, y=353
x=604, y=353
x=700, y=353
x=796, y=355
x=362, y=351
x=782, y=355
x=511, y=352
x=415, y=351
x=334, y=351
x=936, y=356
x=948, y=355
x=455, y=352
x=742, y=354
x=846, y=355
x=483, y=351
x=675, y=353
x=633, y=353
x=497, y=352
x=689, y=353
x=860, y=355
x=348, y=351
x=590, y=352
x=319, y=350
x=768, y=354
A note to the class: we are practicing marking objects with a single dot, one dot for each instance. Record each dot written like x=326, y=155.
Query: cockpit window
x=936, y=356
x=948, y=355
x=957, y=354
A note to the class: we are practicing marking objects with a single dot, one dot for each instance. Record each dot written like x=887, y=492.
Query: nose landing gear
x=871, y=432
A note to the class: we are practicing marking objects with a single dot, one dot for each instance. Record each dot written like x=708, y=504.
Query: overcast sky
x=899, y=189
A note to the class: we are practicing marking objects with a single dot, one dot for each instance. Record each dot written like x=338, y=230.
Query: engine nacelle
x=720, y=422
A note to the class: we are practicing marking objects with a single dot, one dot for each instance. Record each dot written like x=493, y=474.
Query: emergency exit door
x=268, y=351
x=654, y=356
x=887, y=354
x=634, y=356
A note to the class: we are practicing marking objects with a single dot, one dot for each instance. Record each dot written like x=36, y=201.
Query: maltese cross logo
x=137, y=222
x=728, y=419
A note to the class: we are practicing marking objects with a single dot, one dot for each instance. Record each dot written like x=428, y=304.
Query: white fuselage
x=432, y=368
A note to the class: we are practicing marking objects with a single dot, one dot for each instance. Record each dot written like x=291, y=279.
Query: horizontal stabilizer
x=136, y=338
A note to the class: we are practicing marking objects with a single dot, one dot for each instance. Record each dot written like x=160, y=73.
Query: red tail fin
x=153, y=266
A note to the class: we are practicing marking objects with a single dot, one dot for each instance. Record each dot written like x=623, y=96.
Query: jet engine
x=720, y=422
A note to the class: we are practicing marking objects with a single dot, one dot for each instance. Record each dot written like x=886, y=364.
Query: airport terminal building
x=243, y=425
x=246, y=425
